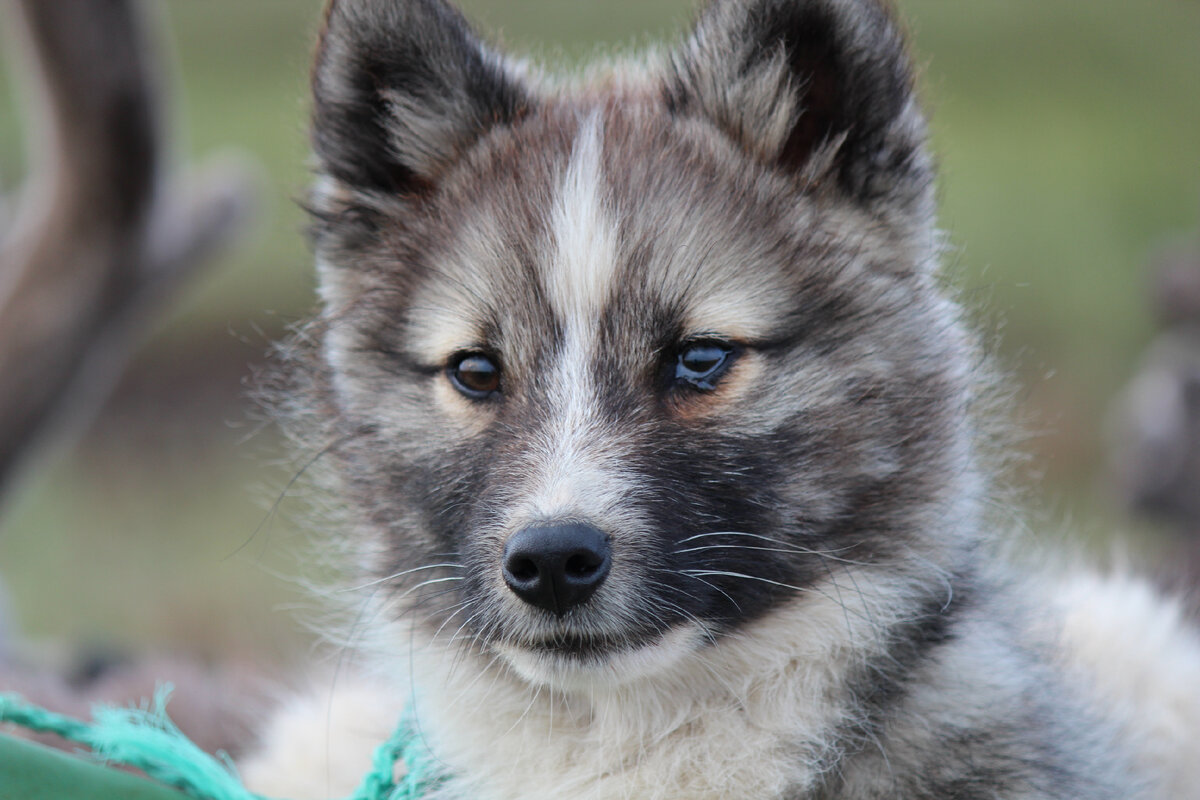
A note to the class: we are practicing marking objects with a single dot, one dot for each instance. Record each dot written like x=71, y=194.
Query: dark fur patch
x=421, y=51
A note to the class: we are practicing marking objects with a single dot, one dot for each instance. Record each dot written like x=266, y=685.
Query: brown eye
x=701, y=364
x=475, y=375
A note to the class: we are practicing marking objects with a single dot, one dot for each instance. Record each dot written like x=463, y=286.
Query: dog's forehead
x=617, y=218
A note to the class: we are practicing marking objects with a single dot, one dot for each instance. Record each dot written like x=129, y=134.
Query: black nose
x=556, y=567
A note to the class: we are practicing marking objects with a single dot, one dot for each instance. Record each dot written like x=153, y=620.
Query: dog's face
x=609, y=373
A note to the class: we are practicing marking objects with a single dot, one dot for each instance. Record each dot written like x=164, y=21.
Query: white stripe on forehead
x=580, y=272
x=570, y=477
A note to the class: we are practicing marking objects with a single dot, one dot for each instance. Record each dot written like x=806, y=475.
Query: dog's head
x=609, y=371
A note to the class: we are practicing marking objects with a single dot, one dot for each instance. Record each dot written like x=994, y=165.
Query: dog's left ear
x=821, y=89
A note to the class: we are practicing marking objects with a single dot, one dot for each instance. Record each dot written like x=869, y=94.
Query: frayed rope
x=147, y=739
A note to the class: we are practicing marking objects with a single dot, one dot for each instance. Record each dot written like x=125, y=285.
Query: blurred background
x=1069, y=141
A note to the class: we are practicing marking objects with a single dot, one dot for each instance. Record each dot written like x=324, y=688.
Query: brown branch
x=102, y=236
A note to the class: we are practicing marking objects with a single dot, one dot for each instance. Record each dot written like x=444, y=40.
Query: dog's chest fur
x=661, y=445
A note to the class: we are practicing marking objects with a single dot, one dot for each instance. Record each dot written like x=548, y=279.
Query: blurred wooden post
x=96, y=242
x=102, y=233
x=1156, y=459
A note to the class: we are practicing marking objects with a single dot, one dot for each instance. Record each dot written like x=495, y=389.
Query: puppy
x=662, y=449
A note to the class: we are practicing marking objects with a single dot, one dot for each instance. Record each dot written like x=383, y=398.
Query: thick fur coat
x=664, y=451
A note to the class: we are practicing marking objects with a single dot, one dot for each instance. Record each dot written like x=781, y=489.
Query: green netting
x=31, y=772
x=145, y=738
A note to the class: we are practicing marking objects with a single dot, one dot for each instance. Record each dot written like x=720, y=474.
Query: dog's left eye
x=701, y=364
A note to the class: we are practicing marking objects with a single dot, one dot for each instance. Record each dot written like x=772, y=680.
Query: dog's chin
x=589, y=665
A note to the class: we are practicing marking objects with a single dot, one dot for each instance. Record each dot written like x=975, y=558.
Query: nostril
x=584, y=565
x=522, y=569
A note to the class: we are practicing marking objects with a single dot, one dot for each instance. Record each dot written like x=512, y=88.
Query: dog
x=662, y=452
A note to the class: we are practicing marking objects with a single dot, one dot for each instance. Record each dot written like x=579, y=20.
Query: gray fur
x=801, y=604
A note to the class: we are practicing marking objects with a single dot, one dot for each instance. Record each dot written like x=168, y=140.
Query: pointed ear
x=820, y=88
x=400, y=89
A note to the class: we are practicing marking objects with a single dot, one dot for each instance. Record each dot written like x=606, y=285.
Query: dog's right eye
x=475, y=375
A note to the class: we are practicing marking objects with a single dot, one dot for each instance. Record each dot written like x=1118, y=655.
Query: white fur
x=321, y=741
x=716, y=725
x=584, y=233
x=1143, y=660
x=577, y=472
x=744, y=719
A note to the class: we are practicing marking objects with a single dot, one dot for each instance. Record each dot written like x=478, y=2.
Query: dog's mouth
x=585, y=635
x=589, y=648
x=577, y=661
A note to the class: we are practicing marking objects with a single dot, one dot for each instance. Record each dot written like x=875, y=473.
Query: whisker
x=395, y=575
x=802, y=589
x=528, y=707
x=837, y=588
x=479, y=674
x=861, y=596
x=459, y=608
x=709, y=584
x=794, y=550
x=423, y=584
x=787, y=547
x=421, y=605
x=343, y=652
x=730, y=574
x=283, y=493
x=455, y=636
x=683, y=612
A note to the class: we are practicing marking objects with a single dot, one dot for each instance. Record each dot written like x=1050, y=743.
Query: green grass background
x=1069, y=140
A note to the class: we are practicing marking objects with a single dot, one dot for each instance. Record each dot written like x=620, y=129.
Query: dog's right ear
x=401, y=88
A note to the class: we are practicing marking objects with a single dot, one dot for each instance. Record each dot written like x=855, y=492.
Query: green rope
x=146, y=739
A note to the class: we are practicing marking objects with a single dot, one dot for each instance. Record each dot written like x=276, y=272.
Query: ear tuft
x=820, y=88
x=401, y=88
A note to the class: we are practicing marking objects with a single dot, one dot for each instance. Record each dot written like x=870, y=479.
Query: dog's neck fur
x=770, y=711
